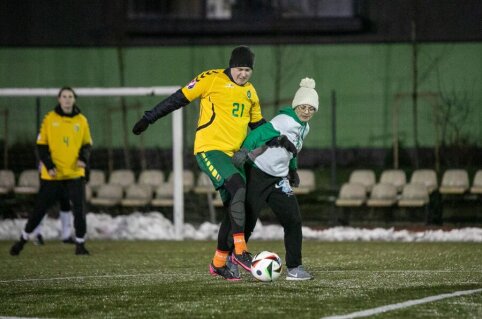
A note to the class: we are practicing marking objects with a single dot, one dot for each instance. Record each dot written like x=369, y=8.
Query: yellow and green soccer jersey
x=226, y=109
x=64, y=137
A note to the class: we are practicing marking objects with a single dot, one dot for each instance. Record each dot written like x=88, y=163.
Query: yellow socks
x=239, y=243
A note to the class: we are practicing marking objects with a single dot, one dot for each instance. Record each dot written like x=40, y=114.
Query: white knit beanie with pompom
x=306, y=94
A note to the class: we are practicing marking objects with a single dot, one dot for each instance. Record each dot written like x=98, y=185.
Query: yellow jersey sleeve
x=87, y=137
x=200, y=85
x=42, y=138
x=256, y=115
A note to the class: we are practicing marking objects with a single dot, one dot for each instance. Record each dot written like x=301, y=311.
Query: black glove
x=294, y=178
x=240, y=158
x=283, y=141
x=140, y=126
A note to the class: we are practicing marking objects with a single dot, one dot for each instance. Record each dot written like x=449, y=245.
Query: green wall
x=366, y=78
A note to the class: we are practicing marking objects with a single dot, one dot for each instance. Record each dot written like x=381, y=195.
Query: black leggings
x=234, y=220
x=52, y=191
x=261, y=190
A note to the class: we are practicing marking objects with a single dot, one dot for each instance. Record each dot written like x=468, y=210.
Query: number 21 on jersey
x=238, y=110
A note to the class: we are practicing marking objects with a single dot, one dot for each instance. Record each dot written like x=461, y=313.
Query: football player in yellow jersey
x=229, y=105
x=64, y=146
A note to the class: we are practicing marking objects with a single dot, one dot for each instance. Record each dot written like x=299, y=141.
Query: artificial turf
x=170, y=279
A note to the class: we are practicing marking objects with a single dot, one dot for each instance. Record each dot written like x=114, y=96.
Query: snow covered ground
x=154, y=226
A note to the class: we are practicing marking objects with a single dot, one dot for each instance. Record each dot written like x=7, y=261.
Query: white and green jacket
x=277, y=161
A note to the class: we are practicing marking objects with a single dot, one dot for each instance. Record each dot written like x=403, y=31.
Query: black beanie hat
x=241, y=57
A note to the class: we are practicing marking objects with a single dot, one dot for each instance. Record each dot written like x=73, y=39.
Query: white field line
x=82, y=277
x=170, y=274
x=374, y=311
x=404, y=271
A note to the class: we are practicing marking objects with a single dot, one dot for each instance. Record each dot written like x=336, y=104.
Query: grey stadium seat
x=165, y=193
x=307, y=182
x=151, y=177
x=365, y=177
x=204, y=185
x=96, y=179
x=351, y=195
x=28, y=182
x=382, y=195
x=187, y=180
x=108, y=195
x=217, y=201
x=414, y=195
x=428, y=177
x=396, y=177
x=454, y=181
x=122, y=177
x=7, y=181
x=137, y=195
x=88, y=193
x=477, y=183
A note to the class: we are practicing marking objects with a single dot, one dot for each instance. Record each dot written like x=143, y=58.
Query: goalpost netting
x=122, y=92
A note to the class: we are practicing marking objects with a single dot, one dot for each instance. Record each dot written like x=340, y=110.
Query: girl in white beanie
x=268, y=155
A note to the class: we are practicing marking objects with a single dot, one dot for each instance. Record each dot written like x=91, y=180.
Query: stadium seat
x=28, y=182
x=204, y=185
x=7, y=181
x=88, y=193
x=162, y=201
x=414, y=195
x=477, y=183
x=137, y=195
x=217, y=201
x=152, y=177
x=428, y=177
x=454, y=181
x=307, y=182
x=167, y=189
x=396, y=177
x=96, y=179
x=351, y=195
x=188, y=180
x=122, y=177
x=363, y=176
x=382, y=195
x=164, y=194
x=108, y=195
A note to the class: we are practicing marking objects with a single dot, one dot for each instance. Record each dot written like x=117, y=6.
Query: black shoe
x=222, y=272
x=17, y=247
x=39, y=240
x=68, y=240
x=80, y=249
x=244, y=260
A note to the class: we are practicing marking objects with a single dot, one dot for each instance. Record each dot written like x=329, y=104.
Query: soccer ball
x=266, y=266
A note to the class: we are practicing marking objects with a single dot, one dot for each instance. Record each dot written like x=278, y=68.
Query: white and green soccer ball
x=266, y=266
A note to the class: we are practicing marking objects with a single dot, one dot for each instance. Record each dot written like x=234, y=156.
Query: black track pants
x=261, y=190
x=52, y=191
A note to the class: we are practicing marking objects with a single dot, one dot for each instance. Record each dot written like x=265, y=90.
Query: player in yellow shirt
x=229, y=105
x=64, y=146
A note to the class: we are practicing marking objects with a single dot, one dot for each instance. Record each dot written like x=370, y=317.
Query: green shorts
x=219, y=167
